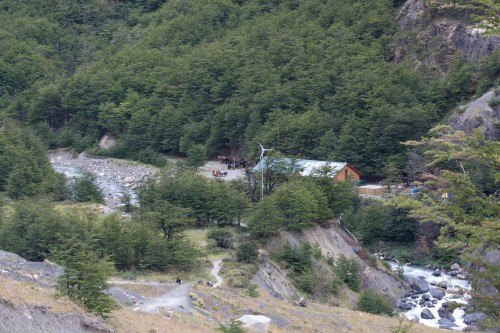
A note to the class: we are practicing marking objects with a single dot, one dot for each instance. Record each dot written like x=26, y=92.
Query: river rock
x=420, y=286
x=436, y=273
x=403, y=305
x=302, y=302
x=436, y=293
x=455, y=267
x=444, y=313
x=443, y=284
x=128, y=180
x=256, y=323
x=453, y=272
x=460, y=276
x=426, y=297
x=446, y=323
x=427, y=314
x=472, y=318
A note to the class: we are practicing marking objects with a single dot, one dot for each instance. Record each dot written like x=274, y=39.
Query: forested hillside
x=309, y=78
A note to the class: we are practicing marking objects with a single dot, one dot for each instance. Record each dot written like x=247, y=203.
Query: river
x=457, y=291
x=114, y=177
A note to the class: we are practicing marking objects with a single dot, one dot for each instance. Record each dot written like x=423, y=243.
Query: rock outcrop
x=30, y=319
x=478, y=114
x=437, y=36
x=335, y=241
x=273, y=280
x=256, y=323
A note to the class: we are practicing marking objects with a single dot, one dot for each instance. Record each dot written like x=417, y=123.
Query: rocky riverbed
x=115, y=177
x=435, y=296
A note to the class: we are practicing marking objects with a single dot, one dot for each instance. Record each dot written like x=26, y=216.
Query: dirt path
x=215, y=273
x=176, y=299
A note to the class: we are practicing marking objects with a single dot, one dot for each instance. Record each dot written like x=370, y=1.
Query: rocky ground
x=211, y=166
x=42, y=274
x=117, y=177
x=114, y=177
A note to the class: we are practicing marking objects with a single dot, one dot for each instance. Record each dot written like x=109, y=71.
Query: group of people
x=178, y=280
x=209, y=284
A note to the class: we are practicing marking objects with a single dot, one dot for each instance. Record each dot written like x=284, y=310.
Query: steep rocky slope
x=439, y=35
x=479, y=114
x=333, y=241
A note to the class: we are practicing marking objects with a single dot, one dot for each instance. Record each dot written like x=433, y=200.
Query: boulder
x=446, y=323
x=472, y=318
x=420, y=286
x=436, y=273
x=455, y=267
x=128, y=180
x=302, y=302
x=453, y=272
x=426, y=297
x=427, y=314
x=461, y=276
x=437, y=293
x=404, y=306
x=443, y=284
x=256, y=323
x=444, y=313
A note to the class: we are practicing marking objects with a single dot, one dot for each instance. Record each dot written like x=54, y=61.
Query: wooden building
x=338, y=170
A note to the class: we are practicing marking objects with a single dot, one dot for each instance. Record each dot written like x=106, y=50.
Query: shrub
x=402, y=327
x=336, y=285
x=494, y=102
x=85, y=189
x=371, y=302
x=304, y=281
x=349, y=272
x=223, y=238
x=85, y=278
x=247, y=252
x=252, y=290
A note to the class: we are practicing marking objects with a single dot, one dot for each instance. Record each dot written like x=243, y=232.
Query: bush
x=85, y=189
x=252, y=290
x=85, y=278
x=349, y=272
x=304, y=281
x=247, y=252
x=371, y=302
x=494, y=102
x=336, y=285
x=223, y=238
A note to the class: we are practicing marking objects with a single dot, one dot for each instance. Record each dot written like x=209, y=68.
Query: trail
x=215, y=273
x=176, y=299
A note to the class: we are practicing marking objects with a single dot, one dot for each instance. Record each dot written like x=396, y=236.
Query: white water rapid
x=457, y=291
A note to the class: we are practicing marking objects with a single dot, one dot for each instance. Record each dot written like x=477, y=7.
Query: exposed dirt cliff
x=437, y=35
x=333, y=241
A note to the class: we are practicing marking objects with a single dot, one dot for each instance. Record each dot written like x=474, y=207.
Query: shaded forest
x=309, y=78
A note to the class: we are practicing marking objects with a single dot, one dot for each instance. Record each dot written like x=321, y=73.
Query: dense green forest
x=308, y=78
x=195, y=77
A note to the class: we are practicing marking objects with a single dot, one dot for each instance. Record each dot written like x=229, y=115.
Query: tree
x=264, y=219
x=469, y=219
x=84, y=189
x=370, y=301
x=85, y=277
x=222, y=237
x=196, y=156
x=247, y=252
x=169, y=219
